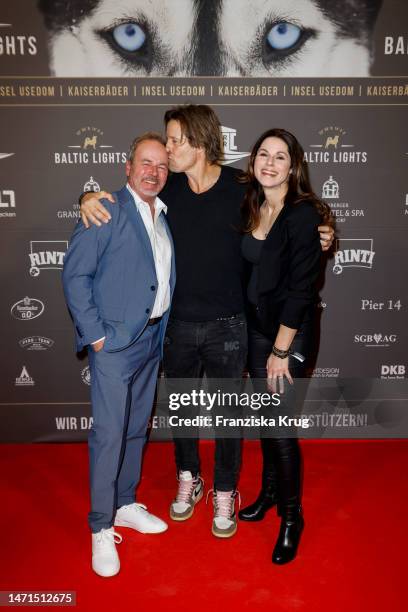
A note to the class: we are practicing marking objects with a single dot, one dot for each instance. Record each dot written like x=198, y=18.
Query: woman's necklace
x=266, y=222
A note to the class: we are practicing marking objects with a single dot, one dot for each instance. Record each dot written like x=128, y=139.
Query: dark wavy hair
x=299, y=187
x=201, y=126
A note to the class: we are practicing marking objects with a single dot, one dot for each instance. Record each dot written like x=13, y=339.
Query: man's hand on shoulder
x=326, y=236
x=92, y=211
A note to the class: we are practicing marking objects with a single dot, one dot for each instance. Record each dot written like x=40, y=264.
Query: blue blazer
x=109, y=277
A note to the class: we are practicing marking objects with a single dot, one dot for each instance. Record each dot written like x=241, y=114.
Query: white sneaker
x=136, y=517
x=190, y=491
x=105, y=559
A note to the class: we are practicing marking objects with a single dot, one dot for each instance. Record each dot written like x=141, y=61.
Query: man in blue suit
x=118, y=283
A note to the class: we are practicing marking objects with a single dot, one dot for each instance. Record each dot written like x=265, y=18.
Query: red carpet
x=352, y=555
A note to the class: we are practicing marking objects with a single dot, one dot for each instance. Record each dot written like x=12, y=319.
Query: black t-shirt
x=205, y=228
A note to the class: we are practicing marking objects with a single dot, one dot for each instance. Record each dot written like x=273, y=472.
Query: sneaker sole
x=130, y=526
x=106, y=575
x=219, y=534
x=185, y=517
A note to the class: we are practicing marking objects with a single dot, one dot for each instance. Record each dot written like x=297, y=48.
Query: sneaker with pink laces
x=224, y=523
x=190, y=491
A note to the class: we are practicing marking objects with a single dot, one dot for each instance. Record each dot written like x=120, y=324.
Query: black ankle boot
x=289, y=535
x=266, y=499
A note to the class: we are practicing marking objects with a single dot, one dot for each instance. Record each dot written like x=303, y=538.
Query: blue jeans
x=218, y=348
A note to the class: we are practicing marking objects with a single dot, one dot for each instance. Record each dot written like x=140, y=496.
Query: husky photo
x=228, y=38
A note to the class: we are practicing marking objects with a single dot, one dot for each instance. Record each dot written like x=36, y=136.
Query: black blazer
x=289, y=267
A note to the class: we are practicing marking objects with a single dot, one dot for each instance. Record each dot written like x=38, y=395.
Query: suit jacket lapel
x=125, y=200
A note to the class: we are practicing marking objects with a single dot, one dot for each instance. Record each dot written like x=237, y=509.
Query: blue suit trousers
x=123, y=385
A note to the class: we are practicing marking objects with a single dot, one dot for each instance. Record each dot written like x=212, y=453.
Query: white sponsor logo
x=387, y=305
x=231, y=154
x=24, y=380
x=73, y=422
x=36, y=343
x=4, y=155
x=91, y=185
x=334, y=147
x=27, y=309
x=395, y=45
x=330, y=189
x=340, y=210
x=74, y=213
x=353, y=253
x=376, y=339
x=86, y=375
x=90, y=148
x=47, y=255
x=17, y=45
x=7, y=200
x=393, y=371
x=326, y=372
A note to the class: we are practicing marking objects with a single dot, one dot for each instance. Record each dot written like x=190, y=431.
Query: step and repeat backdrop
x=81, y=78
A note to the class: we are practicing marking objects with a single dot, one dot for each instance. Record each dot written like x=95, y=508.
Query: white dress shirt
x=161, y=248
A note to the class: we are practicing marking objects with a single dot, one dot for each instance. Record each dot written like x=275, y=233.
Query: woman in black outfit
x=281, y=243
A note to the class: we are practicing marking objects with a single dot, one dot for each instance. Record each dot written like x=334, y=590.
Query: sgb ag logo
x=47, y=255
x=27, y=309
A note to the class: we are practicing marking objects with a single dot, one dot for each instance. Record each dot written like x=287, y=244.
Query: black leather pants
x=281, y=456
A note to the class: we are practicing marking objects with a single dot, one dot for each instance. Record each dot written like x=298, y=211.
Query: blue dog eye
x=283, y=35
x=129, y=36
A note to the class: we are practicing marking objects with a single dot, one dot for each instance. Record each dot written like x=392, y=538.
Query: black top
x=288, y=268
x=251, y=251
x=207, y=241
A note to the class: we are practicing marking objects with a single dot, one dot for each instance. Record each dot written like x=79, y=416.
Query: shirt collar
x=159, y=206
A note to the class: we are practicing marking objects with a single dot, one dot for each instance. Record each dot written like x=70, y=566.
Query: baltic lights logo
x=36, y=343
x=7, y=201
x=24, y=380
x=334, y=147
x=353, y=253
x=340, y=210
x=376, y=339
x=89, y=148
x=11, y=44
x=27, y=309
x=47, y=255
x=231, y=154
